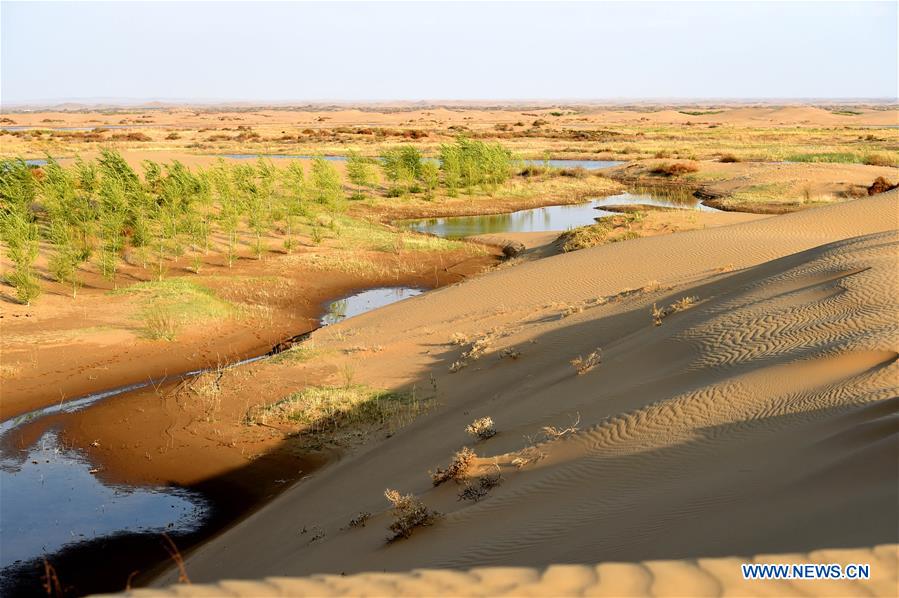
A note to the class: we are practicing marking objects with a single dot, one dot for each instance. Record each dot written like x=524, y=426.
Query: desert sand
x=757, y=419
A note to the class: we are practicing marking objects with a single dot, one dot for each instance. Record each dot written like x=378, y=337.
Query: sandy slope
x=761, y=420
x=693, y=577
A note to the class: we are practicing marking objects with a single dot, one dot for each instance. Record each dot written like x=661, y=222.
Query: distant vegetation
x=102, y=210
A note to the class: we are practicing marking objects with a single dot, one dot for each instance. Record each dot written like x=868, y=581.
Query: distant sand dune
x=758, y=420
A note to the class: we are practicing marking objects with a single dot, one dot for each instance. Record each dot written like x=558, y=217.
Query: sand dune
x=694, y=577
x=758, y=419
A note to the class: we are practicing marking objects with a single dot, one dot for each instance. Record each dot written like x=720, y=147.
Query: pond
x=585, y=164
x=52, y=498
x=359, y=303
x=550, y=218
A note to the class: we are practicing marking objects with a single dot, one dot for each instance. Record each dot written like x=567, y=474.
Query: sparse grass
x=356, y=234
x=880, y=160
x=408, y=513
x=481, y=428
x=583, y=364
x=457, y=469
x=838, y=157
x=207, y=387
x=160, y=323
x=300, y=353
x=323, y=409
x=169, y=305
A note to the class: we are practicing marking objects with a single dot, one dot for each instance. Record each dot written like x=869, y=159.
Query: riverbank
x=756, y=187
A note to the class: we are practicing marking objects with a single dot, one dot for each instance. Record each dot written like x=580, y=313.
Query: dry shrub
x=510, y=353
x=728, y=158
x=136, y=136
x=456, y=366
x=360, y=519
x=658, y=314
x=578, y=172
x=477, y=349
x=408, y=513
x=173, y=135
x=674, y=169
x=879, y=160
x=880, y=185
x=457, y=468
x=584, y=364
x=552, y=432
x=477, y=491
x=482, y=428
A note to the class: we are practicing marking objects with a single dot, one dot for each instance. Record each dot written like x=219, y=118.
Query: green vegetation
x=18, y=227
x=839, y=157
x=169, y=305
x=103, y=210
x=322, y=409
x=607, y=230
x=361, y=172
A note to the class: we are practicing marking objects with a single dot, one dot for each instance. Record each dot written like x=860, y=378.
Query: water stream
x=51, y=498
x=549, y=218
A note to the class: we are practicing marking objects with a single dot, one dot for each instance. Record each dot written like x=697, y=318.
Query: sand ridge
x=694, y=577
x=758, y=419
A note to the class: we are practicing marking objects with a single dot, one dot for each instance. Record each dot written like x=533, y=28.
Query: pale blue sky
x=441, y=50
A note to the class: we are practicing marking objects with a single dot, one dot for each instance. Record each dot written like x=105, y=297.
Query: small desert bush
x=510, y=353
x=457, y=468
x=583, y=364
x=660, y=313
x=728, y=158
x=674, y=169
x=408, y=514
x=481, y=428
x=880, y=185
x=475, y=491
x=360, y=519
